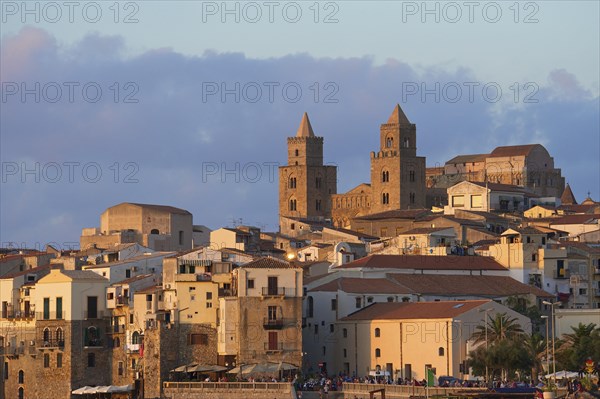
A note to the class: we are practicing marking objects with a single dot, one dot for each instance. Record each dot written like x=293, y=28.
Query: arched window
x=406, y=142
x=92, y=336
x=135, y=338
x=297, y=152
x=310, y=306
x=154, y=231
x=117, y=342
x=60, y=336
x=377, y=332
x=412, y=198
x=385, y=198
x=389, y=142
x=385, y=176
x=292, y=182
x=21, y=377
x=292, y=205
x=46, y=336
x=377, y=352
x=21, y=393
x=441, y=351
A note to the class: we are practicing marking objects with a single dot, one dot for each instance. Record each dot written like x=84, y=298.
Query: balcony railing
x=272, y=324
x=17, y=314
x=115, y=329
x=99, y=314
x=50, y=315
x=225, y=292
x=51, y=343
x=273, y=346
x=93, y=343
x=132, y=348
x=278, y=291
x=122, y=301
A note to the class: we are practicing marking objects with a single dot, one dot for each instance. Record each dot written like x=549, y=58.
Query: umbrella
x=80, y=391
x=200, y=368
x=282, y=366
x=562, y=374
x=185, y=368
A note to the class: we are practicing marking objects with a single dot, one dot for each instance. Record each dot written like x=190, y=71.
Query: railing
x=406, y=390
x=278, y=291
x=99, y=314
x=132, y=348
x=274, y=387
x=50, y=315
x=122, y=301
x=272, y=324
x=273, y=347
x=51, y=343
x=115, y=329
x=225, y=292
x=93, y=343
x=17, y=314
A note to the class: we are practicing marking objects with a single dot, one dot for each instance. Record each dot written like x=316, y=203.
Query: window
x=411, y=176
x=331, y=328
x=358, y=302
x=91, y=360
x=377, y=352
x=297, y=152
x=406, y=142
x=110, y=296
x=59, y=360
x=292, y=182
x=181, y=238
x=390, y=299
x=120, y=368
x=60, y=336
x=334, y=304
x=46, y=360
x=127, y=273
x=59, y=308
x=345, y=353
x=46, y=336
x=385, y=198
x=208, y=305
x=92, y=307
x=6, y=370
x=385, y=176
x=369, y=299
x=458, y=201
x=21, y=377
x=310, y=310
x=440, y=351
x=131, y=318
x=292, y=205
x=318, y=182
x=318, y=205
x=21, y=393
x=377, y=332
x=383, y=232
x=46, y=309
x=412, y=198
x=198, y=339
x=582, y=291
x=117, y=342
x=345, y=333
x=135, y=338
x=316, y=328
x=209, y=296
x=389, y=142
x=272, y=312
x=533, y=257
x=476, y=201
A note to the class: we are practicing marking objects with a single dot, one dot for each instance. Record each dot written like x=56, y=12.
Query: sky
x=189, y=103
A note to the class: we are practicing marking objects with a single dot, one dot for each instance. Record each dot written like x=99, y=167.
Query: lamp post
x=553, y=304
x=486, y=342
x=547, y=345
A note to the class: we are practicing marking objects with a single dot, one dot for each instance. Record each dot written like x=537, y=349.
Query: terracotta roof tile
x=414, y=310
x=425, y=262
x=268, y=263
x=356, y=285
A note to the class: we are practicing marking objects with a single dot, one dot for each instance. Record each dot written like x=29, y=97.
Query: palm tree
x=499, y=328
x=535, y=347
x=574, y=348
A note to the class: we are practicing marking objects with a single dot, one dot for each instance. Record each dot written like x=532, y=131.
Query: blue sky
x=161, y=97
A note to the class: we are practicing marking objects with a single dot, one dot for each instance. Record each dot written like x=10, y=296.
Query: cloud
x=164, y=120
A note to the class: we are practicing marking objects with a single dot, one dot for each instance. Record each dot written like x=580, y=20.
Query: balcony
x=99, y=314
x=277, y=292
x=17, y=314
x=226, y=292
x=122, y=301
x=50, y=315
x=132, y=348
x=93, y=343
x=51, y=343
x=273, y=346
x=115, y=329
x=272, y=324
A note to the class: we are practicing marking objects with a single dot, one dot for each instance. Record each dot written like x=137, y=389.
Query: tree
x=573, y=349
x=499, y=328
x=535, y=347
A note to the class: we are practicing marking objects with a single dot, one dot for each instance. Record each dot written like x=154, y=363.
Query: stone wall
x=229, y=391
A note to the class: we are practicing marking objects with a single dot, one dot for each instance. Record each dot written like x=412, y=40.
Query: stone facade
x=305, y=184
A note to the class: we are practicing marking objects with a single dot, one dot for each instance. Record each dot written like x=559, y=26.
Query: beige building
x=160, y=227
x=527, y=165
x=404, y=338
x=487, y=197
x=261, y=320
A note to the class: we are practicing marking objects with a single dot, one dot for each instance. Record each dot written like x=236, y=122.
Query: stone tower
x=397, y=173
x=305, y=184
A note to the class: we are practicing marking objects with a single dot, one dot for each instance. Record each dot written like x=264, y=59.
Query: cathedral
x=399, y=178
x=308, y=189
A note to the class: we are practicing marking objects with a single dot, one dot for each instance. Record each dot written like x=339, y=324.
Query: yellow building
x=403, y=338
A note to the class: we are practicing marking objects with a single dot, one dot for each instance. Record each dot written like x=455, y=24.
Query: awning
x=87, y=390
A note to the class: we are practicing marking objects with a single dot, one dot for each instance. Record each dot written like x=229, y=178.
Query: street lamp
x=486, y=341
x=553, y=304
x=547, y=345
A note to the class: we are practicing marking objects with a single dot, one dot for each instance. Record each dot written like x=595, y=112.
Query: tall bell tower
x=397, y=173
x=305, y=184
